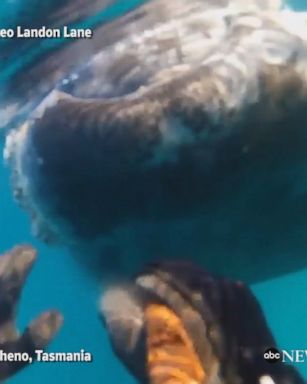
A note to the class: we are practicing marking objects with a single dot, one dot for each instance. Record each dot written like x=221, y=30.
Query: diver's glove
x=175, y=323
x=14, y=268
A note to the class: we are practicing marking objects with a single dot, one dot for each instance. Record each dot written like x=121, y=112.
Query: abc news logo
x=273, y=355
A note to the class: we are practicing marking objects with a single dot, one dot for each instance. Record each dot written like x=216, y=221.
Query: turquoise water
x=57, y=281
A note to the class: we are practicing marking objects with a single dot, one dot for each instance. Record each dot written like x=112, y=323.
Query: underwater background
x=57, y=280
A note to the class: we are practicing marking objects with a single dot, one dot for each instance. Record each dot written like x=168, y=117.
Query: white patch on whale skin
x=275, y=47
x=174, y=134
x=13, y=153
x=250, y=21
x=7, y=113
x=191, y=42
x=48, y=102
x=17, y=148
x=294, y=22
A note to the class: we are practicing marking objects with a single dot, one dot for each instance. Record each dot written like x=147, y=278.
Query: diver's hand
x=14, y=268
x=176, y=323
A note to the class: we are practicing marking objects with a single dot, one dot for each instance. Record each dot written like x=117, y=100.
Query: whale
x=177, y=131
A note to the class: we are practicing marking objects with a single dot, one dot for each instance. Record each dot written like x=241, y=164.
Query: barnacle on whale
x=176, y=323
x=183, y=131
x=14, y=268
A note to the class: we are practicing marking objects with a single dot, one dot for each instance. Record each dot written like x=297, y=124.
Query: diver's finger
x=42, y=330
x=8, y=331
x=36, y=336
x=14, y=268
x=17, y=262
